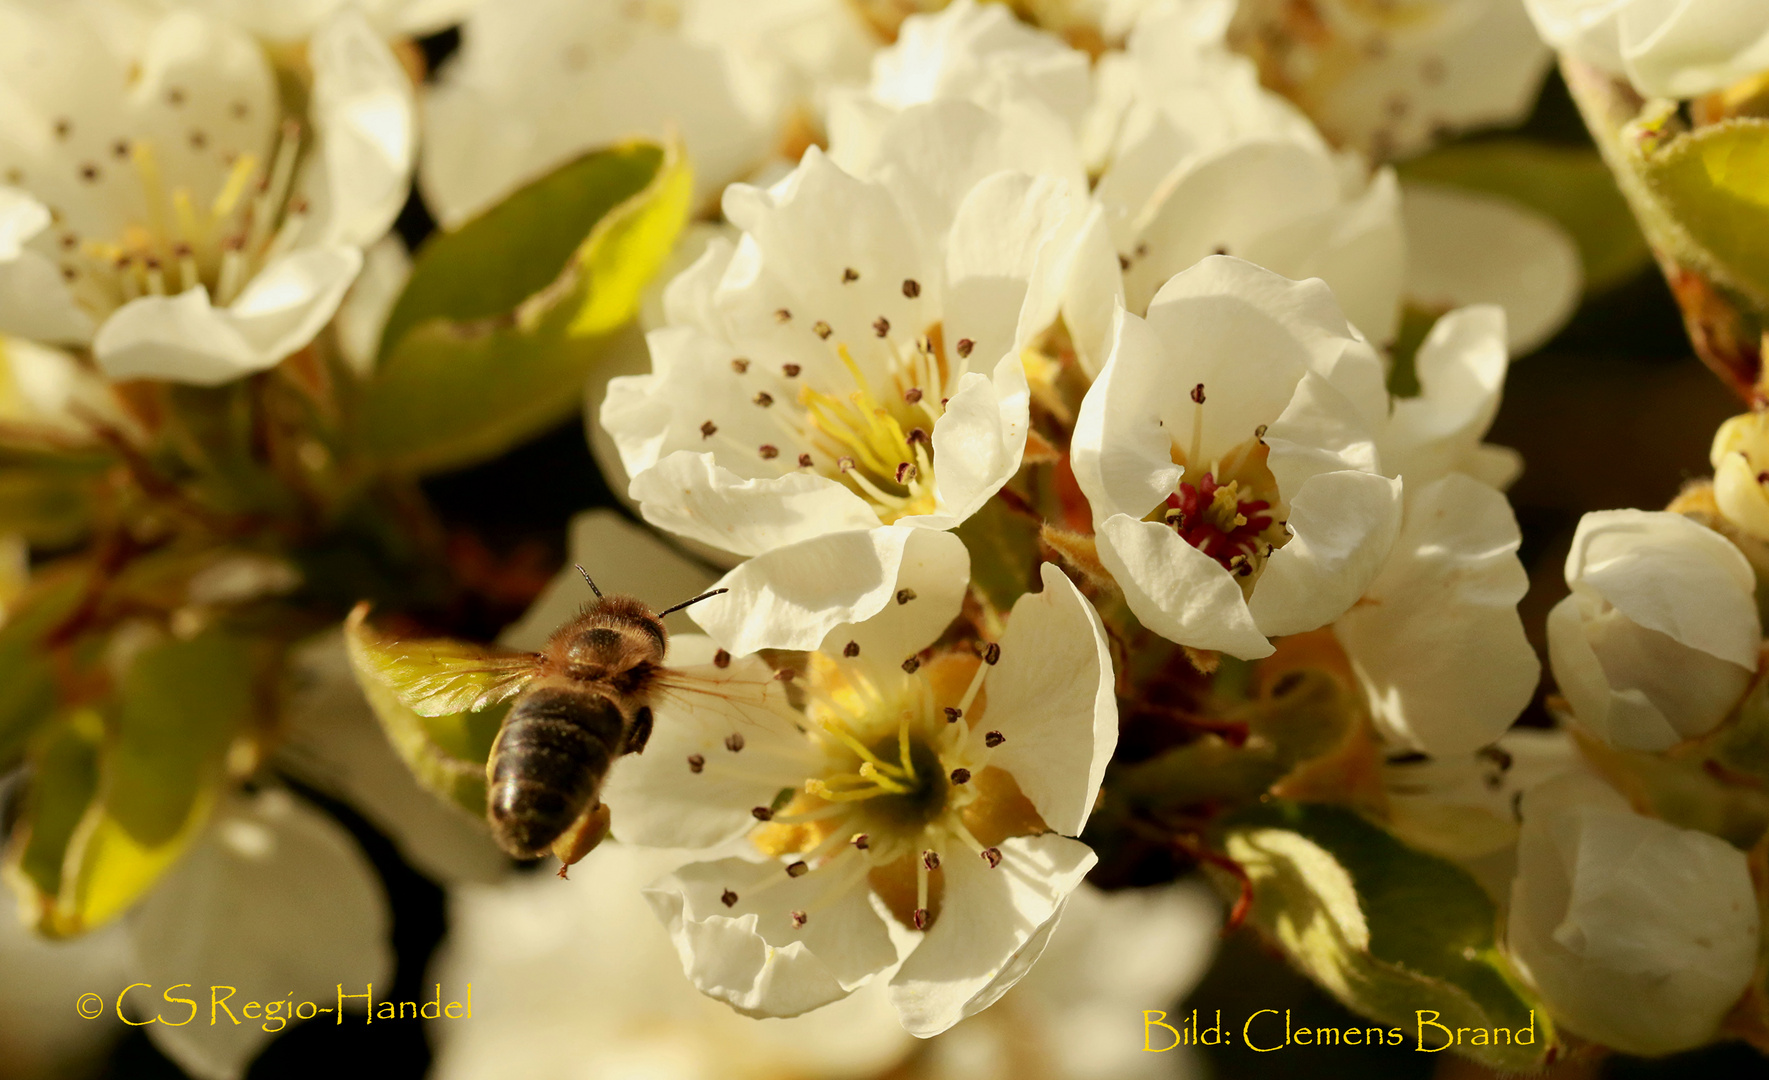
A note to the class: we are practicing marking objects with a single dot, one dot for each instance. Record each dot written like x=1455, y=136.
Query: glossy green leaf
x=1714, y=183
x=1393, y=933
x=1569, y=184
x=178, y=709
x=447, y=752
x=504, y=319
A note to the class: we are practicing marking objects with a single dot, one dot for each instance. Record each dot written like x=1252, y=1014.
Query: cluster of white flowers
x=1156, y=296
x=860, y=363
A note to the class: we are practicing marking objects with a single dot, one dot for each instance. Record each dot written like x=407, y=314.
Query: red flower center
x=1210, y=517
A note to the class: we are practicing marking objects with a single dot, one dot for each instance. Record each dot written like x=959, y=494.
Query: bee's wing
x=747, y=689
x=438, y=676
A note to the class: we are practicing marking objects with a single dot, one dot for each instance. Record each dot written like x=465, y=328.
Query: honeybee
x=580, y=702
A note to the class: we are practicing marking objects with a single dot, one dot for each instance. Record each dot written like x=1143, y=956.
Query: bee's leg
x=585, y=833
x=640, y=733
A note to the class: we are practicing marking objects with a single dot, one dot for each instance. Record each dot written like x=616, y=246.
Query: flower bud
x=1740, y=457
x=1638, y=934
x=1659, y=638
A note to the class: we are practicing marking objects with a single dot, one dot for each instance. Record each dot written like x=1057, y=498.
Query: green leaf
x=447, y=752
x=1714, y=183
x=504, y=319
x=64, y=781
x=27, y=677
x=1393, y=933
x=179, y=708
x=114, y=804
x=1571, y=185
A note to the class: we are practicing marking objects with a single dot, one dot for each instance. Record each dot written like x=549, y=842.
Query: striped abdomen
x=548, y=763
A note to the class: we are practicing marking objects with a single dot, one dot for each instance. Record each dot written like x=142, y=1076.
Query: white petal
x=1461, y=368
x=1638, y=934
x=1342, y=526
x=34, y=300
x=1178, y=591
x=750, y=955
x=1632, y=686
x=278, y=902
x=1436, y=640
x=1357, y=246
x=992, y=924
x=1320, y=431
x=363, y=314
x=1682, y=50
x=1052, y=694
x=363, y=114
x=1669, y=574
x=659, y=800
x=690, y=495
x=185, y=339
x=978, y=442
x=1222, y=201
x=795, y=597
x=1466, y=247
x=1121, y=452
x=1094, y=293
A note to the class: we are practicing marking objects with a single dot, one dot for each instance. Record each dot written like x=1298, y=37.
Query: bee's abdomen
x=547, y=764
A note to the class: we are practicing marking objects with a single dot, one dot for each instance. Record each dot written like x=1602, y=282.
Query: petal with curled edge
x=798, y=596
x=692, y=495
x=1178, y=591
x=749, y=954
x=1052, y=695
x=992, y=925
x=436, y=676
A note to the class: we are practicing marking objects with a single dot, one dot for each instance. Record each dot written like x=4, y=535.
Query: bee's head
x=616, y=633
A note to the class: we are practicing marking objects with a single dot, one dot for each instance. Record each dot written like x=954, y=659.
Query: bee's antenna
x=592, y=584
x=696, y=600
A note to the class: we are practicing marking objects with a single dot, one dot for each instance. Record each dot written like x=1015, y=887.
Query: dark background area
x=1613, y=412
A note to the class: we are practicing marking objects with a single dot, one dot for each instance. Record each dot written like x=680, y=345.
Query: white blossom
x=941, y=791
x=1228, y=451
x=855, y=359
x=157, y=205
x=1673, y=50
x=537, y=82
x=1392, y=79
x=1660, y=636
x=1637, y=933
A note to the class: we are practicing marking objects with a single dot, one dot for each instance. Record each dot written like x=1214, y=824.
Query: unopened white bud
x=1659, y=638
x=1638, y=934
